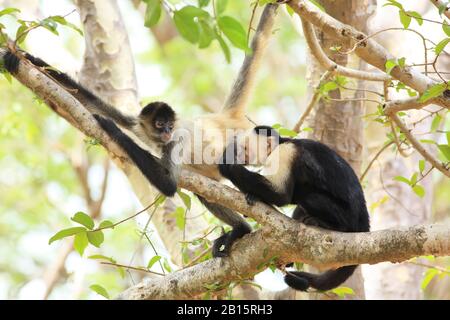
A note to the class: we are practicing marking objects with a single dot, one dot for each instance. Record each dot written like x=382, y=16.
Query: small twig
x=314, y=99
x=397, y=141
x=197, y=258
x=129, y=218
x=251, y=20
x=353, y=99
x=419, y=147
x=361, y=178
x=429, y=266
x=132, y=268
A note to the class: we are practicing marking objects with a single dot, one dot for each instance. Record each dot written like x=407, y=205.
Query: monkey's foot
x=222, y=245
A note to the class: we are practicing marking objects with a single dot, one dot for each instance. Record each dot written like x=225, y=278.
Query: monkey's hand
x=223, y=244
x=251, y=199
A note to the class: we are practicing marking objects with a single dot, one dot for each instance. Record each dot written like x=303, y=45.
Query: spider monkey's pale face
x=158, y=120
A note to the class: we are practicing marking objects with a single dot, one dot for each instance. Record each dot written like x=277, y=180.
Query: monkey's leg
x=222, y=245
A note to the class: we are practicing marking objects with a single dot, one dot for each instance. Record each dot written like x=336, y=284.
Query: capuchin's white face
x=254, y=149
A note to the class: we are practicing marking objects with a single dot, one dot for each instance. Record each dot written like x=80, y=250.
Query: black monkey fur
x=325, y=189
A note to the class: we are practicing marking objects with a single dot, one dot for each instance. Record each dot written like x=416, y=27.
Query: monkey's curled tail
x=323, y=282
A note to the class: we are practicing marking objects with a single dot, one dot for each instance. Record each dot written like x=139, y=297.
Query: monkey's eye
x=159, y=124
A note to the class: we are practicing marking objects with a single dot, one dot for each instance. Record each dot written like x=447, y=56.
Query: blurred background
x=48, y=171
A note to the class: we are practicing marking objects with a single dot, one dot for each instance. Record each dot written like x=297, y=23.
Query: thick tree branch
x=394, y=106
x=297, y=243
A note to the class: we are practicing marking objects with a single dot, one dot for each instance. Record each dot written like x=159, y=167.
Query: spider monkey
x=304, y=172
x=158, y=114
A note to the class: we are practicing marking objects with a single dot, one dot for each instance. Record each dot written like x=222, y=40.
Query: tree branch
x=329, y=65
x=296, y=243
x=441, y=3
x=368, y=50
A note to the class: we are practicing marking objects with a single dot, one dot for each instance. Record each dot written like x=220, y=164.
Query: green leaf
x=413, y=179
x=401, y=62
x=7, y=77
x=50, y=25
x=152, y=13
x=442, y=8
x=435, y=123
x=221, y=5
x=186, y=26
x=20, y=33
x=404, y=19
x=225, y=48
x=445, y=149
x=80, y=242
x=402, y=179
x=99, y=290
x=166, y=265
x=186, y=199
x=343, y=291
x=419, y=190
x=429, y=275
x=390, y=64
x=102, y=257
x=329, y=86
x=446, y=28
x=180, y=218
x=207, y=35
x=61, y=20
x=83, y=219
x=318, y=5
x=160, y=200
x=393, y=3
x=234, y=31
x=203, y=3
x=427, y=141
x=421, y=165
x=287, y=132
x=416, y=16
x=290, y=11
x=441, y=46
x=433, y=92
x=106, y=224
x=66, y=233
x=9, y=11
x=96, y=238
x=152, y=261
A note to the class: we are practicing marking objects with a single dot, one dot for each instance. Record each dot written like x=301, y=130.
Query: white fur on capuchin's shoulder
x=278, y=166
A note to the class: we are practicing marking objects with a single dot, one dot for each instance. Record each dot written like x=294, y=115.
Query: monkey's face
x=253, y=149
x=158, y=120
x=164, y=128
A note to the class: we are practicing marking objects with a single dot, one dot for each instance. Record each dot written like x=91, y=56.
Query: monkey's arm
x=89, y=100
x=254, y=184
x=160, y=174
x=222, y=245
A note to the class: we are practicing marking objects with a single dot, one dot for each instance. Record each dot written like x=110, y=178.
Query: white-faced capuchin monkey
x=308, y=174
x=156, y=122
